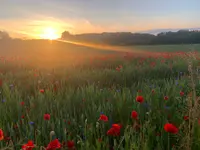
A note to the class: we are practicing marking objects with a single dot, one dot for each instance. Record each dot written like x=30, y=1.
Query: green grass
x=80, y=93
x=169, y=48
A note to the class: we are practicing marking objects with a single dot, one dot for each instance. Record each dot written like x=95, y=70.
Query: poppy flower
x=99, y=139
x=7, y=138
x=22, y=103
x=36, y=75
x=53, y=145
x=28, y=146
x=152, y=64
x=114, y=130
x=134, y=114
x=186, y=118
x=199, y=121
x=1, y=82
x=70, y=144
x=1, y=135
x=118, y=69
x=120, y=66
x=152, y=91
x=15, y=126
x=103, y=118
x=46, y=116
x=110, y=131
x=41, y=90
x=117, y=126
x=139, y=99
x=168, y=127
x=181, y=93
x=166, y=98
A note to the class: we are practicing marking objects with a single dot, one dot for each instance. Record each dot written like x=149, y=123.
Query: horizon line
x=139, y=32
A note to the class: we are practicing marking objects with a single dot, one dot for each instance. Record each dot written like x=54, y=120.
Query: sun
x=50, y=33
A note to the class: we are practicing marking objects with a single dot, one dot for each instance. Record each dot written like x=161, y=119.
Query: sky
x=33, y=18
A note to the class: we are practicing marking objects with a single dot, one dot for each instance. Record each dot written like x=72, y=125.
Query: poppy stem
x=168, y=141
x=120, y=143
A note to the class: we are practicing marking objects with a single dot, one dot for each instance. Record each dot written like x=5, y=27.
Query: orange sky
x=32, y=18
x=35, y=27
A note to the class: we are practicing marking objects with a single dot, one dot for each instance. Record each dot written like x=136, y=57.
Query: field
x=73, y=97
x=170, y=48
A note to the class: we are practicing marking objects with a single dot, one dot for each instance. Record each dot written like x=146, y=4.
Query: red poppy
x=166, y=98
x=134, y=114
x=120, y=66
x=53, y=145
x=55, y=89
x=41, y=90
x=1, y=82
x=152, y=64
x=152, y=91
x=46, y=116
x=118, y=69
x=168, y=127
x=1, y=135
x=114, y=130
x=70, y=144
x=139, y=99
x=7, y=138
x=36, y=75
x=181, y=93
x=28, y=146
x=103, y=118
x=99, y=139
x=162, y=60
x=22, y=103
x=186, y=118
x=15, y=126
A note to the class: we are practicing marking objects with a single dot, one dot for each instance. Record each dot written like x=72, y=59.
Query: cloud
x=34, y=25
x=4, y=35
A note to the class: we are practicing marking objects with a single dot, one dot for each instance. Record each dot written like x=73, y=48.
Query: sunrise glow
x=50, y=33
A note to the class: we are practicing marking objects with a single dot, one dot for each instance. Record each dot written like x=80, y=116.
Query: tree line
x=128, y=38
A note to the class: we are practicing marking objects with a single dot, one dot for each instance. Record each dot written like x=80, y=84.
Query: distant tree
x=65, y=35
x=128, y=38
